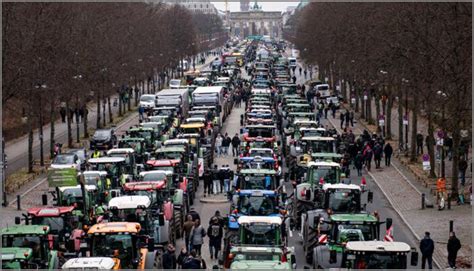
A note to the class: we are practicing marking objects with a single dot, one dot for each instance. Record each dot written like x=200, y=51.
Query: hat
x=427, y=233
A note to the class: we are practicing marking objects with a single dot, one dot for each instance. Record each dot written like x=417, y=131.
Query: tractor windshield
x=262, y=153
x=34, y=242
x=56, y=224
x=326, y=174
x=370, y=260
x=110, y=244
x=255, y=256
x=343, y=200
x=256, y=132
x=257, y=205
x=141, y=134
x=168, y=155
x=261, y=234
x=257, y=182
x=317, y=146
x=355, y=232
x=71, y=196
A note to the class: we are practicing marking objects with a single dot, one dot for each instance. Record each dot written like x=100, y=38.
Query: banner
x=58, y=177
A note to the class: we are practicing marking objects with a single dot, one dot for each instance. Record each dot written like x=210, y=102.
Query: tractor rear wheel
x=153, y=260
x=310, y=241
x=178, y=221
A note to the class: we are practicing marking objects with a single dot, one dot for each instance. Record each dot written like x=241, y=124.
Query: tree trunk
x=104, y=120
x=111, y=115
x=129, y=99
x=429, y=146
x=369, y=109
x=51, y=121
x=377, y=112
x=388, y=121
x=400, y=118
x=86, y=120
x=69, y=128
x=120, y=103
x=455, y=168
x=98, y=110
x=414, y=130
x=40, y=130
x=30, y=145
x=137, y=93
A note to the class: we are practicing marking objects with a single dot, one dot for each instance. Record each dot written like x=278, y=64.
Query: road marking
x=291, y=234
x=28, y=191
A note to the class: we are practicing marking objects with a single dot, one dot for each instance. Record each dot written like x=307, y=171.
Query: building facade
x=204, y=6
x=244, y=5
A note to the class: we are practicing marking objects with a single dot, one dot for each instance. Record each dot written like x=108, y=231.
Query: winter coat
x=215, y=233
x=427, y=246
x=377, y=152
x=388, y=150
x=358, y=161
x=453, y=245
x=197, y=235
x=169, y=260
x=235, y=141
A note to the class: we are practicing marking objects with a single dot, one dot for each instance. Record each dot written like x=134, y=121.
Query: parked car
x=175, y=83
x=335, y=100
x=147, y=101
x=81, y=154
x=68, y=160
x=103, y=139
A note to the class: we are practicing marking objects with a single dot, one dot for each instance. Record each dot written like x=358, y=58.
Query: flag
x=389, y=235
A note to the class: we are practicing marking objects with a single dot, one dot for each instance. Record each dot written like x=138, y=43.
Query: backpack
x=215, y=229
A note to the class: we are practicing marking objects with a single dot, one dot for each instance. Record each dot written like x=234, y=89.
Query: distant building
x=204, y=6
x=244, y=5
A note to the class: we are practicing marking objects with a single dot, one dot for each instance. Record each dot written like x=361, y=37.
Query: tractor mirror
x=44, y=199
x=17, y=220
x=113, y=194
x=316, y=221
x=161, y=219
x=370, y=196
x=236, y=161
x=388, y=223
x=293, y=260
x=172, y=191
x=414, y=258
x=151, y=244
x=308, y=195
x=333, y=256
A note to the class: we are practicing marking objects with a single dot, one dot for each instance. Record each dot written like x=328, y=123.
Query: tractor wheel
x=191, y=197
x=153, y=260
x=178, y=221
x=230, y=239
x=298, y=210
x=310, y=242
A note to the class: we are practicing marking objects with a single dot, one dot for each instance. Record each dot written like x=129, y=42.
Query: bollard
x=422, y=201
x=451, y=226
x=449, y=201
x=18, y=206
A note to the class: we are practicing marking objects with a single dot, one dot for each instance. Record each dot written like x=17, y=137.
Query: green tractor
x=256, y=257
x=116, y=168
x=37, y=242
x=138, y=145
x=151, y=140
x=344, y=228
x=17, y=258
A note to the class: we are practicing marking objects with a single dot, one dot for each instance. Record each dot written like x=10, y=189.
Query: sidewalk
x=404, y=194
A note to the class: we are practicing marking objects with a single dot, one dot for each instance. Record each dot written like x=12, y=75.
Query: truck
x=257, y=257
x=174, y=97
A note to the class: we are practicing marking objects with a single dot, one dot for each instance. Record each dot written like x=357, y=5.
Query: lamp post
x=406, y=114
x=3, y=167
x=442, y=133
x=39, y=87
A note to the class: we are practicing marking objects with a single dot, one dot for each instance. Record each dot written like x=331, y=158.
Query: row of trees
x=418, y=54
x=69, y=54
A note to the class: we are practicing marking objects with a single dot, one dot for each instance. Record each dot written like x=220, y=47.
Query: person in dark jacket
x=454, y=245
x=419, y=143
x=235, y=145
x=207, y=176
x=192, y=262
x=359, y=163
x=215, y=233
x=183, y=254
x=388, y=151
x=169, y=258
x=427, y=248
x=462, y=171
x=347, y=117
x=342, y=117
x=377, y=154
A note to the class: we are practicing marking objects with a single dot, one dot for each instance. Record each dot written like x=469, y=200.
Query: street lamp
x=406, y=114
x=39, y=87
x=442, y=135
x=77, y=77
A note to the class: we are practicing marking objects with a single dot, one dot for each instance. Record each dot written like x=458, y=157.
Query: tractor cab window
x=355, y=232
x=326, y=174
x=56, y=224
x=256, y=132
x=387, y=260
x=257, y=182
x=317, y=146
x=141, y=134
x=72, y=196
x=343, y=200
x=260, y=234
x=255, y=205
x=107, y=245
x=33, y=242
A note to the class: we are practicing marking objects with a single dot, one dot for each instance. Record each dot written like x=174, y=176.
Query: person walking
x=226, y=143
x=454, y=245
x=427, y=248
x=187, y=227
x=235, y=145
x=169, y=258
x=377, y=155
x=218, y=145
x=388, y=151
x=347, y=117
x=215, y=180
x=368, y=153
x=342, y=117
x=294, y=79
x=419, y=143
x=215, y=233
x=226, y=175
x=62, y=112
x=351, y=118
x=196, y=239
x=358, y=163
x=326, y=109
x=301, y=69
x=305, y=73
x=441, y=190
x=207, y=177
x=141, y=111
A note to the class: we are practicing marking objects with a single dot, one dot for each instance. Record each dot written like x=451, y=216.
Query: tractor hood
x=266, y=265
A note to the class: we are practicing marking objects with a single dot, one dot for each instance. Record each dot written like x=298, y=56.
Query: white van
x=177, y=98
x=148, y=101
x=323, y=90
x=292, y=62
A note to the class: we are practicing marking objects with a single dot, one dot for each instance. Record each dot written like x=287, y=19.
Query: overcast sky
x=267, y=5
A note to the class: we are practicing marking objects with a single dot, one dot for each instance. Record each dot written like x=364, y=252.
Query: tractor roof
x=106, y=160
x=248, y=159
x=324, y=164
x=140, y=129
x=120, y=150
x=129, y=202
x=192, y=125
x=94, y=173
x=171, y=149
x=259, y=126
x=143, y=186
x=256, y=193
x=353, y=218
x=378, y=246
x=131, y=139
x=163, y=172
x=249, y=171
x=25, y=230
x=318, y=138
x=341, y=186
x=163, y=163
x=16, y=253
x=250, y=249
x=50, y=211
x=115, y=227
x=175, y=141
x=93, y=263
x=88, y=187
x=260, y=219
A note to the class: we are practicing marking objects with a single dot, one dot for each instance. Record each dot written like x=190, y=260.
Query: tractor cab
x=172, y=153
x=17, y=258
x=256, y=257
x=91, y=263
x=146, y=133
x=259, y=132
x=116, y=168
x=58, y=219
x=35, y=239
x=135, y=143
x=122, y=241
x=258, y=179
x=82, y=197
x=129, y=155
x=378, y=255
x=261, y=230
x=257, y=162
x=317, y=144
